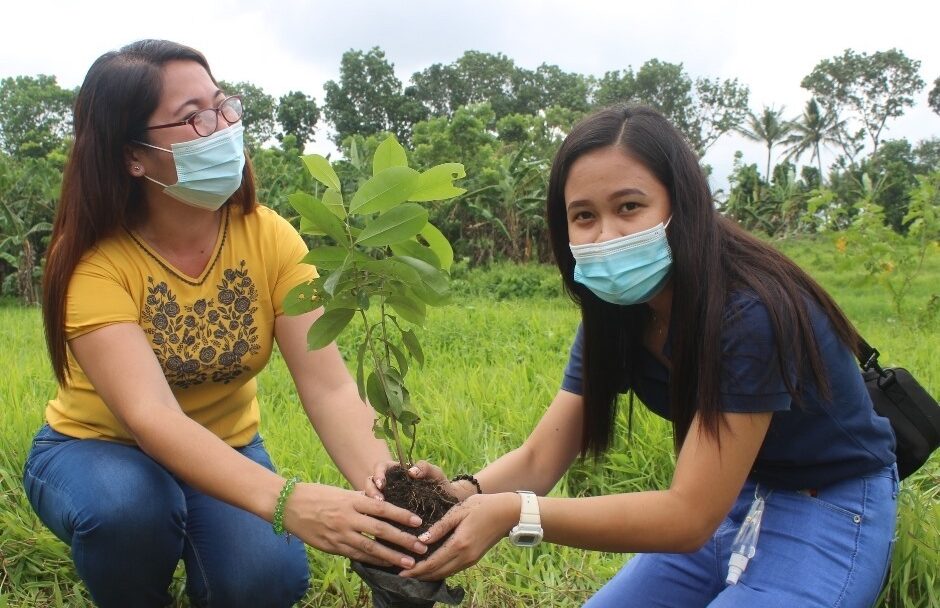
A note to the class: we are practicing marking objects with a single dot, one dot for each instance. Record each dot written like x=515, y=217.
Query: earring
x=136, y=167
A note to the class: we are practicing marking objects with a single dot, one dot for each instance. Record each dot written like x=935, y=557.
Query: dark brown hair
x=712, y=257
x=99, y=197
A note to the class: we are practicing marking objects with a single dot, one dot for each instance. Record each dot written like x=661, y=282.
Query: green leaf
x=307, y=227
x=408, y=418
x=385, y=398
x=394, y=375
x=439, y=245
x=301, y=299
x=383, y=191
x=414, y=249
x=329, y=285
x=354, y=154
x=408, y=430
x=390, y=268
x=410, y=308
x=378, y=430
x=321, y=171
x=342, y=300
x=399, y=355
x=389, y=154
x=394, y=226
x=333, y=200
x=319, y=216
x=434, y=288
x=377, y=397
x=435, y=184
x=429, y=296
x=360, y=370
x=414, y=347
x=329, y=257
x=327, y=327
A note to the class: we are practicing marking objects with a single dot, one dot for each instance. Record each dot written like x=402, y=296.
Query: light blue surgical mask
x=208, y=169
x=627, y=270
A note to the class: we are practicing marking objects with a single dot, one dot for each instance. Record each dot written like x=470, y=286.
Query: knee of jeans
x=274, y=584
x=135, y=513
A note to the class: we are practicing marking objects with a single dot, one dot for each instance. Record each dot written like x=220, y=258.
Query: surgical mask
x=208, y=169
x=628, y=270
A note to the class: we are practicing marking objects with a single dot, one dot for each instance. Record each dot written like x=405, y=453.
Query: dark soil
x=425, y=498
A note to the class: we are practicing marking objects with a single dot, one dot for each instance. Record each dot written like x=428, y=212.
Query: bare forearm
x=658, y=521
x=540, y=462
x=515, y=470
x=205, y=462
x=344, y=424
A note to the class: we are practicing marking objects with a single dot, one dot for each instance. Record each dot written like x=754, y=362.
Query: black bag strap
x=868, y=357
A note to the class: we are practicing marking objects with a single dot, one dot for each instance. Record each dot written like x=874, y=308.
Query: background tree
x=874, y=87
x=768, y=128
x=29, y=189
x=297, y=115
x=703, y=110
x=368, y=99
x=475, y=77
x=719, y=106
x=810, y=132
x=927, y=156
x=561, y=89
x=258, y=119
x=893, y=170
x=35, y=115
x=934, y=98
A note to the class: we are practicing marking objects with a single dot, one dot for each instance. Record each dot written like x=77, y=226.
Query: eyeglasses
x=206, y=122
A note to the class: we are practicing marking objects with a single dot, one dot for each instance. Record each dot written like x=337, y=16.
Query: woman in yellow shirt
x=162, y=300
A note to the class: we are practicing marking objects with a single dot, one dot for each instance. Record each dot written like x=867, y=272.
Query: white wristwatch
x=529, y=531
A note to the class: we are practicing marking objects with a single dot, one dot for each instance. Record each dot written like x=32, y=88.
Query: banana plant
x=384, y=264
x=15, y=235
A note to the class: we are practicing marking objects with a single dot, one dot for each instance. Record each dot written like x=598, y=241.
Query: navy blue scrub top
x=808, y=445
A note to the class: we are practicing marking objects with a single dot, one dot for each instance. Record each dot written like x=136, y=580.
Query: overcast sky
x=297, y=45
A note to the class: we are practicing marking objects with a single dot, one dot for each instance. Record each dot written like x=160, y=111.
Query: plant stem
x=378, y=368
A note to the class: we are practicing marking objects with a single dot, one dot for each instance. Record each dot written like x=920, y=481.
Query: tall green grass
x=492, y=367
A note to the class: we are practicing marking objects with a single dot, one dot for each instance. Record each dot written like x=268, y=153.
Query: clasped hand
x=348, y=523
x=471, y=527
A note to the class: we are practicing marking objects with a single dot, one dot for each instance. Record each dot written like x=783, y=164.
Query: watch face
x=527, y=540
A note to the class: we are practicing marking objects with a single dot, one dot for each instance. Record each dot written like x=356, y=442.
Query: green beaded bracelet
x=278, y=522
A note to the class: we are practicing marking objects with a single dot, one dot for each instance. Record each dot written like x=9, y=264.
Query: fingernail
x=407, y=562
x=379, y=484
x=425, y=537
x=414, y=470
x=420, y=548
x=380, y=497
x=415, y=520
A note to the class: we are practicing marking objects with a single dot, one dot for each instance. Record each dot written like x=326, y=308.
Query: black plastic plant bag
x=392, y=591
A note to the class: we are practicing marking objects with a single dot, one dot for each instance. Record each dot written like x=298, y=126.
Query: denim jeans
x=832, y=550
x=129, y=521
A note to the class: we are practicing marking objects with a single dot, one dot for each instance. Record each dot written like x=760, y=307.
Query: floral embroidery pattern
x=205, y=339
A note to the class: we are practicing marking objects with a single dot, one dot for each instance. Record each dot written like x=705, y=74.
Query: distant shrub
x=507, y=281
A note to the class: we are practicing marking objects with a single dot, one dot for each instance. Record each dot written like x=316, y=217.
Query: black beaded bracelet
x=471, y=479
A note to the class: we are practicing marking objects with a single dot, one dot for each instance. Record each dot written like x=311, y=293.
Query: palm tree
x=814, y=129
x=769, y=128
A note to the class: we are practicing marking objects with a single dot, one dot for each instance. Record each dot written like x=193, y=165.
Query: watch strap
x=530, y=508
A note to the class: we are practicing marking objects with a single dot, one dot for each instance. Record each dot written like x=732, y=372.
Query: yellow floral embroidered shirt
x=211, y=334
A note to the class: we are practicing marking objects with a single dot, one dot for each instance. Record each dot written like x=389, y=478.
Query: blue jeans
x=830, y=550
x=129, y=521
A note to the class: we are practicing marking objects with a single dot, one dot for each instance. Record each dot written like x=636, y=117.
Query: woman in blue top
x=742, y=351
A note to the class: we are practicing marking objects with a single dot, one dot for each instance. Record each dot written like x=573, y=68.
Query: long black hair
x=121, y=91
x=712, y=257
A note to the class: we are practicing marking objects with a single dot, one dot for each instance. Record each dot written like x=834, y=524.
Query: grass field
x=492, y=367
